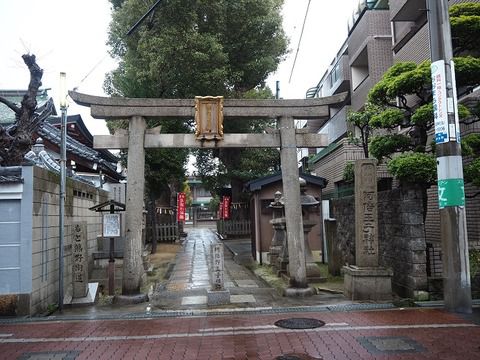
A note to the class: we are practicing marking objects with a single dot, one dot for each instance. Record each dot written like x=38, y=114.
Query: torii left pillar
x=132, y=258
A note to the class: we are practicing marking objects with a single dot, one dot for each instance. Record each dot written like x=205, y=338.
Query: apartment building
x=381, y=33
x=358, y=65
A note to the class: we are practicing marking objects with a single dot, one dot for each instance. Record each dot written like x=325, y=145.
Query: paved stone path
x=190, y=280
x=389, y=334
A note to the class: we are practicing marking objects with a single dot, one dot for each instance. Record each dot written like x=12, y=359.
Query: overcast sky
x=70, y=36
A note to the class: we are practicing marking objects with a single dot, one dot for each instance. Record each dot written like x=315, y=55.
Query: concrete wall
x=402, y=244
x=43, y=242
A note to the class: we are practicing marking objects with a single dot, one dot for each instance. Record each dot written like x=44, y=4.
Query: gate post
x=293, y=211
x=132, y=261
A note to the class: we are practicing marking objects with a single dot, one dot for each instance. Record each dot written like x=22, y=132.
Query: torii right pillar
x=293, y=212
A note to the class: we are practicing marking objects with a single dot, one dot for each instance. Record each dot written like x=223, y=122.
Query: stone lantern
x=278, y=254
x=279, y=233
x=309, y=206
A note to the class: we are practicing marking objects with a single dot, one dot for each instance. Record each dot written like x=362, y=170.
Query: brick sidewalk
x=387, y=334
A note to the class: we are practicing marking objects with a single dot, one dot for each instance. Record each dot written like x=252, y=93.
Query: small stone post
x=217, y=295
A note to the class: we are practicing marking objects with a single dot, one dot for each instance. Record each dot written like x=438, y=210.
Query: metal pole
x=451, y=193
x=63, y=162
x=111, y=261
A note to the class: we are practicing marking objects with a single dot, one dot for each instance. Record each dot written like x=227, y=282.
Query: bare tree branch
x=10, y=104
x=16, y=140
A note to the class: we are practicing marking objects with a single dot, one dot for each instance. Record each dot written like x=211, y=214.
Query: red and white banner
x=226, y=207
x=220, y=210
x=181, y=205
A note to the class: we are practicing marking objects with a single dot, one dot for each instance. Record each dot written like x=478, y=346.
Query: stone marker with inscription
x=366, y=280
x=80, y=260
x=218, y=295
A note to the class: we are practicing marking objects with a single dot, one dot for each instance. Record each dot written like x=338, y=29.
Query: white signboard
x=111, y=225
x=440, y=103
x=455, y=130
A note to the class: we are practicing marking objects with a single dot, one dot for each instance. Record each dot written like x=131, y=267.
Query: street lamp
x=63, y=171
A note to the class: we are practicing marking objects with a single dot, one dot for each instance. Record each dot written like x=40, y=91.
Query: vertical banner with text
x=226, y=207
x=181, y=204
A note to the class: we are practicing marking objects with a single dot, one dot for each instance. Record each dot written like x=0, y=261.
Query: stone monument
x=80, y=260
x=218, y=295
x=366, y=280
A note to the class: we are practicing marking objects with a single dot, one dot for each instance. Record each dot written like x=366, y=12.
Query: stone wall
x=401, y=237
x=79, y=198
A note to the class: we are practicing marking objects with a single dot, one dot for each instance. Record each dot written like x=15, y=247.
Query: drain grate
x=299, y=323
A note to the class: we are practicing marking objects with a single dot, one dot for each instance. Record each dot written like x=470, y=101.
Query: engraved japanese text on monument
x=366, y=219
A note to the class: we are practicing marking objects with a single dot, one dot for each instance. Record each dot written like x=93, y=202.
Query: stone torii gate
x=209, y=113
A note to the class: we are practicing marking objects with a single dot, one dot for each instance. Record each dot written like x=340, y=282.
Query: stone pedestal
x=218, y=297
x=313, y=271
x=278, y=240
x=367, y=283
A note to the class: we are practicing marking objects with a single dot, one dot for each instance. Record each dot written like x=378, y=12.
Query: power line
x=299, y=41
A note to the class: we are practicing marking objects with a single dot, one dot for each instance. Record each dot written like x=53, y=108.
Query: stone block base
x=130, y=299
x=298, y=292
x=218, y=297
x=361, y=283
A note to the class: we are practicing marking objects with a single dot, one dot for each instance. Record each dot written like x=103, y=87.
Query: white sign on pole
x=440, y=103
x=455, y=133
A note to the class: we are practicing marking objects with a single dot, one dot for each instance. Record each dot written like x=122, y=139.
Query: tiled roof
x=52, y=134
x=6, y=115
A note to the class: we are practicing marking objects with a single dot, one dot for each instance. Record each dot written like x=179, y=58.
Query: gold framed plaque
x=209, y=117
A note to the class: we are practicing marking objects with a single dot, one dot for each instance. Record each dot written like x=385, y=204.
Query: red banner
x=226, y=207
x=220, y=210
x=181, y=204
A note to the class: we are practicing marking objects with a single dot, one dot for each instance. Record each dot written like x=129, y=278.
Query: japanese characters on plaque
x=111, y=225
x=181, y=206
x=366, y=216
x=369, y=223
x=79, y=260
x=217, y=267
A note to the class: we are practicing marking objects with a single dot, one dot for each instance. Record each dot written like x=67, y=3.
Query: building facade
x=380, y=34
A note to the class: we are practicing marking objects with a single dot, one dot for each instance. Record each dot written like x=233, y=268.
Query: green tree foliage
x=190, y=48
x=471, y=147
x=465, y=24
x=361, y=121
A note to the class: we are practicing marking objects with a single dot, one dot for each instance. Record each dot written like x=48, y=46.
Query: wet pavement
x=387, y=334
x=178, y=323
x=190, y=281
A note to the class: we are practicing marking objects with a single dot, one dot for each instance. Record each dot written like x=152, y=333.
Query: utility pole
x=451, y=193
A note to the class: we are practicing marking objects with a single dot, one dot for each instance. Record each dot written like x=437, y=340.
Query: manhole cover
x=299, y=323
x=297, y=357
